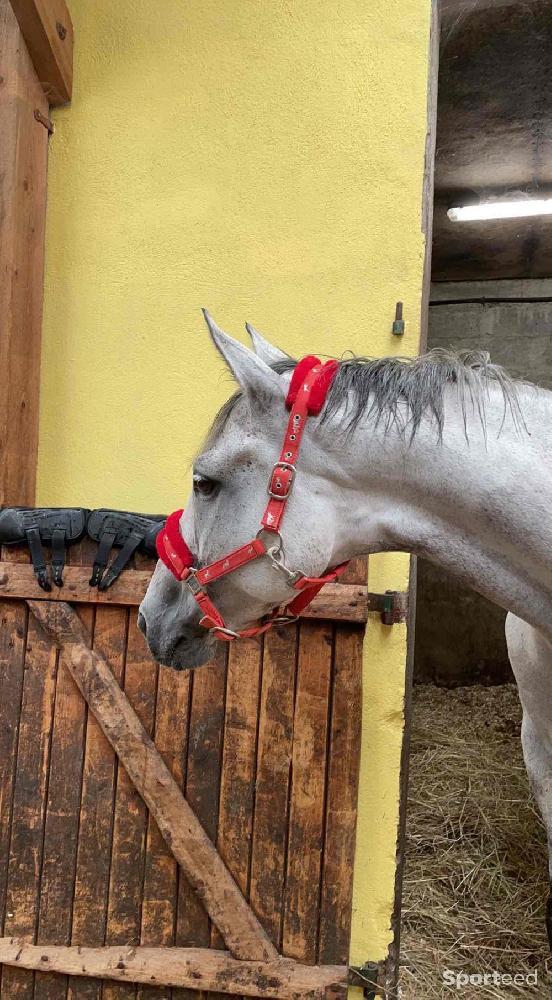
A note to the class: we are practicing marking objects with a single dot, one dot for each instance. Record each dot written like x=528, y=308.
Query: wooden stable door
x=263, y=742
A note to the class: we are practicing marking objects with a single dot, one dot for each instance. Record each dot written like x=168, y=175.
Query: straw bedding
x=476, y=868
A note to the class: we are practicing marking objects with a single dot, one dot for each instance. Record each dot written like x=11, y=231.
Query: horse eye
x=203, y=486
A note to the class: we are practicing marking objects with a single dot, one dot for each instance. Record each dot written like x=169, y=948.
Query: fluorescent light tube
x=501, y=210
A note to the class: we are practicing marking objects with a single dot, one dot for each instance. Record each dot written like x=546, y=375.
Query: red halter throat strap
x=307, y=392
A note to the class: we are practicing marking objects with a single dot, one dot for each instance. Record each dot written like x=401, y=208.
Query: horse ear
x=251, y=372
x=264, y=350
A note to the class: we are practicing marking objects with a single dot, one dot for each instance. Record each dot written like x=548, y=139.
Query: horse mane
x=401, y=391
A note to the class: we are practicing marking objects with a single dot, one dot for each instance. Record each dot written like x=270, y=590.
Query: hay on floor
x=476, y=865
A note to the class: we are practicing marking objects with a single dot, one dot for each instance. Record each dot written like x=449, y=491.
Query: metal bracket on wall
x=367, y=977
x=393, y=605
x=398, y=322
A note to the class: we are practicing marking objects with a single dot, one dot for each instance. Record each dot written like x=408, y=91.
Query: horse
x=444, y=456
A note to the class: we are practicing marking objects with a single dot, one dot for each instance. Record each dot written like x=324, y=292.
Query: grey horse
x=444, y=456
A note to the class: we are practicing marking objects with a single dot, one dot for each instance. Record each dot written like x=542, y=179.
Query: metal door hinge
x=393, y=605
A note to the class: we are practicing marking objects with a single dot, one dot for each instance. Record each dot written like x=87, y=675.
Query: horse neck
x=477, y=501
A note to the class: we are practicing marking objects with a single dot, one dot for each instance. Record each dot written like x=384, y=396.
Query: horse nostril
x=142, y=623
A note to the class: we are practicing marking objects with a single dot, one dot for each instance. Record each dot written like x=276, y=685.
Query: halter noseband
x=307, y=392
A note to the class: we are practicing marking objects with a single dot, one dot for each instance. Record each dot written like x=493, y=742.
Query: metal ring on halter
x=274, y=535
x=224, y=631
x=284, y=620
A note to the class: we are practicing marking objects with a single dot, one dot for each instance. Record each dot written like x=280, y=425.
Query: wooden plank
x=159, y=896
x=340, y=602
x=23, y=165
x=237, y=786
x=239, y=758
x=307, y=807
x=202, y=788
x=341, y=798
x=13, y=632
x=188, y=967
x=160, y=885
x=62, y=814
x=356, y=572
x=128, y=590
x=23, y=888
x=274, y=753
x=96, y=810
x=178, y=824
x=48, y=33
x=93, y=795
x=336, y=602
x=130, y=823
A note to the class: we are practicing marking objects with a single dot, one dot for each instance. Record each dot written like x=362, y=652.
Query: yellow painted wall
x=263, y=158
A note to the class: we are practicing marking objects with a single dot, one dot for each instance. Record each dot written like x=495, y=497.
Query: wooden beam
x=19, y=581
x=179, y=826
x=23, y=165
x=48, y=33
x=336, y=602
x=340, y=602
x=188, y=968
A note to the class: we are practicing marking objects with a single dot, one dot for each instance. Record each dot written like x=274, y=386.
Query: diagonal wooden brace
x=186, y=838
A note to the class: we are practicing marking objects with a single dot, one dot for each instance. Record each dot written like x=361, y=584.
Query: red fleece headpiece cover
x=171, y=547
x=320, y=388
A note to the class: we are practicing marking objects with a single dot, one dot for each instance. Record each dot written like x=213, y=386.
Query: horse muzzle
x=191, y=647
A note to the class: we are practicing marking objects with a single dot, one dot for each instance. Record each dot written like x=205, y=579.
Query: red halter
x=307, y=392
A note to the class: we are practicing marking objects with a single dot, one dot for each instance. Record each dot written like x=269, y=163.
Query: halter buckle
x=193, y=583
x=288, y=467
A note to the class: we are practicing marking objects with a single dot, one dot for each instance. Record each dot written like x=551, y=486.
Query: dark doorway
x=475, y=881
x=492, y=286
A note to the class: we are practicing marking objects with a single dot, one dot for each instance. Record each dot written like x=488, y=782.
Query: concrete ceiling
x=494, y=135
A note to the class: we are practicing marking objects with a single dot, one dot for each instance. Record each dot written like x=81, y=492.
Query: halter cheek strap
x=306, y=395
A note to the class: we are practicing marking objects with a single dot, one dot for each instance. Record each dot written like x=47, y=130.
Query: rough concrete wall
x=460, y=635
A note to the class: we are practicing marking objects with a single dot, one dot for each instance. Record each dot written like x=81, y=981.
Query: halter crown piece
x=308, y=389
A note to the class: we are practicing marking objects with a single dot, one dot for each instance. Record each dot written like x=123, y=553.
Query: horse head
x=225, y=509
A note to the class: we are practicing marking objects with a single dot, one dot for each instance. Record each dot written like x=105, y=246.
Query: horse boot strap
x=132, y=542
x=34, y=542
x=58, y=555
x=102, y=555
